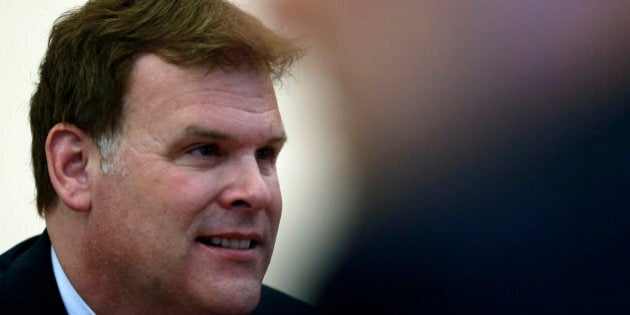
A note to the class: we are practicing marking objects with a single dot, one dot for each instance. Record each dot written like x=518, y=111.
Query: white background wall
x=313, y=168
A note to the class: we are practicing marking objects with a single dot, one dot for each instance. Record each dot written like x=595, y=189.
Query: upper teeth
x=232, y=243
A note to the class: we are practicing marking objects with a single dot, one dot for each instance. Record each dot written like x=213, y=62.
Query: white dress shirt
x=71, y=298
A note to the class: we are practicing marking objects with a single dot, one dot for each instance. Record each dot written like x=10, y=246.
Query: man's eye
x=266, y=153
x=207, y=150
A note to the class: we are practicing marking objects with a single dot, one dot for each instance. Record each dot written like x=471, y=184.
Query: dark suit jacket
x=28, y=286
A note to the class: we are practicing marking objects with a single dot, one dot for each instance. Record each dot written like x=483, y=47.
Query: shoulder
x=26, y=275
x=10, y=256
x=9, y=262
x=273, y=301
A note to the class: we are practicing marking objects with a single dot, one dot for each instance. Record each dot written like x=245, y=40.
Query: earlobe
x=67, y=153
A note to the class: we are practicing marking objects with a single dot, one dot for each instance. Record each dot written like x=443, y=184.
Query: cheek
x=177, y=191
x=151, y=210
x=151, y=214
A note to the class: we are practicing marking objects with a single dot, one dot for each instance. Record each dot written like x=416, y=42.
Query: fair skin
x=186, y=219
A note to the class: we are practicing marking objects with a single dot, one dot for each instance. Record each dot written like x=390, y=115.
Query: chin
x=240, y=309
x=233, y=299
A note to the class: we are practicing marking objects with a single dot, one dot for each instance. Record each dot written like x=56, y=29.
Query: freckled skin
x=145, y=218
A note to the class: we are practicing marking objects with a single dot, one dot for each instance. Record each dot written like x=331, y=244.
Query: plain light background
x=314, y=168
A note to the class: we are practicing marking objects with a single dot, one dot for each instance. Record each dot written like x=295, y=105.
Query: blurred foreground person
x=155, y=136
x=494, y=142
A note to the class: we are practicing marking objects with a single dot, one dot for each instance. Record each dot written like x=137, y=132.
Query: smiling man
x=155, y=136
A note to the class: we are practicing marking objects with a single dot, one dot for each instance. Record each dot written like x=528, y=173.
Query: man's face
x=188, y=216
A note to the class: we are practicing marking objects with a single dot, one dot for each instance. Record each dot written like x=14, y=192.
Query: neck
x=68, y=235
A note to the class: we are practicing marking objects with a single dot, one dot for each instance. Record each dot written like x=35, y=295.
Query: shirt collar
x=71, y=299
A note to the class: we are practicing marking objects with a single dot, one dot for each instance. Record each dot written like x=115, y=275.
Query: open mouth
x=229, y=243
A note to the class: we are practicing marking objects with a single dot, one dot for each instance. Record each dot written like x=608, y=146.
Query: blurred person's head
x=493, y=138
x=434, y=83
x=155, y=135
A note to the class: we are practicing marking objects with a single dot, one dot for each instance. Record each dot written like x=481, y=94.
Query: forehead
x=156, y=83
x=164, y=100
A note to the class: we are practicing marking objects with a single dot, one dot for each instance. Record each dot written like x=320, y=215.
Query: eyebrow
x=217, y=135
x=205, y=133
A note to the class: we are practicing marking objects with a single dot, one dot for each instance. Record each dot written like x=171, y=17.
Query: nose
x=245, y=187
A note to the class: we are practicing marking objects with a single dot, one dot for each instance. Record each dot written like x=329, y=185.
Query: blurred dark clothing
x=540, y=224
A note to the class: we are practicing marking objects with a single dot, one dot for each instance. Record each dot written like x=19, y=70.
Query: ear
x=67, y=153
